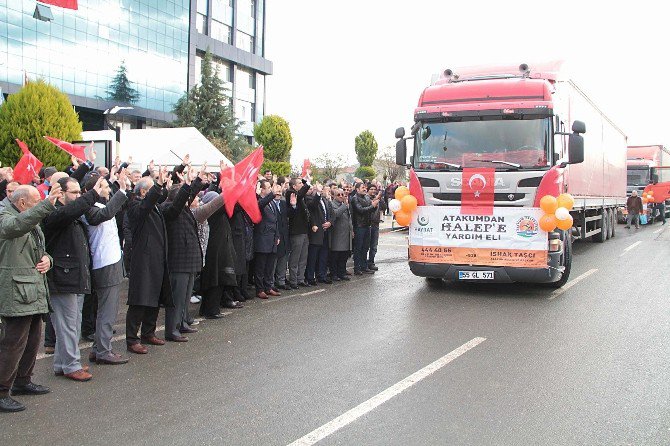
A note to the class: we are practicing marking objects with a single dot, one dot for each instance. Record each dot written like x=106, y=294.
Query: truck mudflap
x=501, y=274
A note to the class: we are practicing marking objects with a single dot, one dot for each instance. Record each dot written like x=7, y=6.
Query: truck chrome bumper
x=501, y=274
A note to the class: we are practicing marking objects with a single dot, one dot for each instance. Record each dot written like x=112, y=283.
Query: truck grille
x=455, y=196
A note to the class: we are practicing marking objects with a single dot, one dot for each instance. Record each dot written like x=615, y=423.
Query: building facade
x=160, y=42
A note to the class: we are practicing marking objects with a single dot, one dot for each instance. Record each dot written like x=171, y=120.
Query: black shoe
x=358, y=273
x=344, y=278
x=215, y=316
x=336, y=279
x=285, y=287
x=627, y=227
x=294, y=287
x=326, y=281
x=232, y=305
x=30, y=389
x=373, y=267
x=368, y=271
x=9, y=404
x=303, y=284
x=312, y=283
x=89, y=337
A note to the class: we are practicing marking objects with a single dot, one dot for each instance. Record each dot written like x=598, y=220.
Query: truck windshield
x=638, y=177
x=503, y=144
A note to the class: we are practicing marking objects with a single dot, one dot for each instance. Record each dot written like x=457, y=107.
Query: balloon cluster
x=403, y=205
x=557, y=212
x=648, y=196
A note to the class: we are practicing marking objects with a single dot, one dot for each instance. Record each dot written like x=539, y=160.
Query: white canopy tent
x=145, y=145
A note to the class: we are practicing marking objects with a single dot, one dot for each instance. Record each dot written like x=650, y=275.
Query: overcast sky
x=344, y=66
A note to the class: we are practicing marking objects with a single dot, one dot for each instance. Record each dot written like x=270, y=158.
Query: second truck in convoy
x=543, y=136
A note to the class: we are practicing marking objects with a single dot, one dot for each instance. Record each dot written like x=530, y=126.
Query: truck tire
x=609, y=224
x=614, y=222
x=602, y=235
x=566, y=262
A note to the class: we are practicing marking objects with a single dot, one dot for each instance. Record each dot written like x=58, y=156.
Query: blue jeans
x=361, y=245
x=374, y=240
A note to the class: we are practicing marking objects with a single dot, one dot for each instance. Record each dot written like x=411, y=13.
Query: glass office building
x=161, y=43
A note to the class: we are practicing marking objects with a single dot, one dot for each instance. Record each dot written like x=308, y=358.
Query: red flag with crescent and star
x=70, y=148
x=238, y=185
x=27, y=167
x=478, y=191
x=306, y=165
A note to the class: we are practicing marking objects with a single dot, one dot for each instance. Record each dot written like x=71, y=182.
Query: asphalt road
x=497, y=364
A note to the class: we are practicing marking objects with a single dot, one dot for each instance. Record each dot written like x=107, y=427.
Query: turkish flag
x=305, y=166
x=478, y=191
x=69, y=4
x=415, y=188
x=70, y=148
x=28, y=166
x=238, y=185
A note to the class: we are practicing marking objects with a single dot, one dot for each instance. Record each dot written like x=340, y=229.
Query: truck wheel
x=614, y=222
x=602, y=235
x=609, y=223
x=566, y=262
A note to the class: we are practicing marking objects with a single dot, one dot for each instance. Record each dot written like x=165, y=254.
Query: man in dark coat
x=320, y=222
x=375, y=219
x=281, y=266
x=67, y=242
x=185, y=259
x=149, y=285
x=634, y=207
x=266, y=239
x=298, y=228
x=361, y=211
x=243, y=241
x=218, y=275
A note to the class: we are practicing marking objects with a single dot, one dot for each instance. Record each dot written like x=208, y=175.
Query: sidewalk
x=389, y=224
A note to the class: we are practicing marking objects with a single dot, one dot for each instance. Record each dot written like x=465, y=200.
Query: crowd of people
x=68, y=241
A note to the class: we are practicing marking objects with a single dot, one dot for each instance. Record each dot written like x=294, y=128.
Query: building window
x=221, y=32
x=202, y=7
x=245, y=42
x=252, y=81
x=201, y=23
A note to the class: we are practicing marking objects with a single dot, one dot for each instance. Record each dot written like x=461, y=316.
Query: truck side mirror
x=401, y=152
x=654, y=178
x=575, y=149
x=400, y=132
x=579, y=127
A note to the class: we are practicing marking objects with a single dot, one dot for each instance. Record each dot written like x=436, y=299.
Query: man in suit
x=284, y=243
x=266, y=240
x=320, y=222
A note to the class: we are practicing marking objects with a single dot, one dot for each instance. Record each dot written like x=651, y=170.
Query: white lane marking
x=379, y=399
x=88, y=345
x=278, y=299
x=571, y=283
x=658, y=230
x=629, y=248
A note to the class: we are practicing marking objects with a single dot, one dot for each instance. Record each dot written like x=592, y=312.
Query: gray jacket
x=340, y=235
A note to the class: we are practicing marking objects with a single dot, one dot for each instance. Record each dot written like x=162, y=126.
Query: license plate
x=475, y=275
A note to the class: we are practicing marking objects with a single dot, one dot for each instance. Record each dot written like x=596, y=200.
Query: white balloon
x=562, y=213
x=394, y=205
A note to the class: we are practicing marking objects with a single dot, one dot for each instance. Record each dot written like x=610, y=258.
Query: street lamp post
x=117, y=130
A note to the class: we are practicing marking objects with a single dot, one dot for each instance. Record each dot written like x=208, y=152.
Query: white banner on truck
x=509, y=237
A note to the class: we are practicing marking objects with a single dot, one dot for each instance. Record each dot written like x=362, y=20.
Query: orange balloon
x=403, y=218
x=401, y=192
x=549, y=204
x=644, y=200
x=565, y=224
x=565, y=201
x=548, y=222
x=408, y=204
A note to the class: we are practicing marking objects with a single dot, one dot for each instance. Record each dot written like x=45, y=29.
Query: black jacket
x=282, y=224
x=185, y=253
x=298, y=222
x=243, y=239
x=67, y=242
x=149, y=276
x=361, y=211
x=219, y=269
x=316, y=205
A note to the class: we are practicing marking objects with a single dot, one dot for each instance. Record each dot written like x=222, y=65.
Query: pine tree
x=207, y=107
x=121, y=90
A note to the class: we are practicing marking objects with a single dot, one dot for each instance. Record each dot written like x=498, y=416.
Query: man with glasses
x=70, y=278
